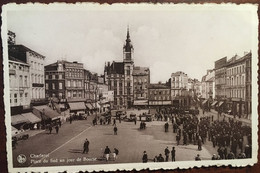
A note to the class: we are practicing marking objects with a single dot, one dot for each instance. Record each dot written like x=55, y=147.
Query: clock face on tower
x=128, y=55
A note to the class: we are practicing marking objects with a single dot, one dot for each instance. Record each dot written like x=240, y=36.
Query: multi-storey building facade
x=74, y=76
x=220, y=78
x=179, y=89
x=64, y=82
x=36, y=70
x=116, y=82
x=238, y=84
x=141, y=77
x=19, y=84
x=159, y=95
x=55, y=81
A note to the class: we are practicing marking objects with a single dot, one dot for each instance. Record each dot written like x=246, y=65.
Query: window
x=80, y=94
x=21, y=97
x=53, y=76
x=68, y=83
x=60, y=85
x=60, y=95
x=69, y=94
x=56, y=76
x=25, y=95
x=47, y=86
x=115, y=83
x=74, y=94
x=80, y=84
x=20, y=80
x=15, y=98
x=53, y=86
x=46, y=77
x=60, y=76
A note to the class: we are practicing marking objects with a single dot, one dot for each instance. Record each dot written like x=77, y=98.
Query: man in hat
x=86, y=146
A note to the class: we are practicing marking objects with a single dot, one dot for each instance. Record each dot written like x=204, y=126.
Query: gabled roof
x=116, y=68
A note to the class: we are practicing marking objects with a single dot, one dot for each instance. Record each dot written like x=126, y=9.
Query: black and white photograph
x=95, y=87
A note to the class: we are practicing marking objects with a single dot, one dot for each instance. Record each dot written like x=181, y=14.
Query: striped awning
x=220, y=104
x=204, y=102
x=89, y=106
x=213, y=104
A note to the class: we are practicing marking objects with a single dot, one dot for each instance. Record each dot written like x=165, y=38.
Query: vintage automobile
x=18, y=135
x=145, y=117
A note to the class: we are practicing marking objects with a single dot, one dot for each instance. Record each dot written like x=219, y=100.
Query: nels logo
x=21, y=158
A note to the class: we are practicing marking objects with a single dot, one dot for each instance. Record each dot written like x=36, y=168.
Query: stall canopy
x=220, y=104
x=140, y=102
x=31, y=117
x=75, y=106
x=89, y=106
x=45, y=112
x=214, y=103
x=18, y=119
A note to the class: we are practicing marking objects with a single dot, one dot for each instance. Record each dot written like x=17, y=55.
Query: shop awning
x=89, y=106
x=46, y=112
x=140, y=102
x=31, y=117
x=214, y=103
x=220, y=104
x=77, y=106
x=18, y=119
x=204, y=102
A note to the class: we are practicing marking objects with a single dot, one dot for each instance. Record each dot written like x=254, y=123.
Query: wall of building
x=20, y=84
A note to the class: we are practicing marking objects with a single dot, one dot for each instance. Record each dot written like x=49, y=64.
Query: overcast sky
x=165, y=39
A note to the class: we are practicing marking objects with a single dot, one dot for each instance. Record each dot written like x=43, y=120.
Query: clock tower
x=128, y=52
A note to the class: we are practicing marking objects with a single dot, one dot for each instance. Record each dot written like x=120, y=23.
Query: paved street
x=130, y=141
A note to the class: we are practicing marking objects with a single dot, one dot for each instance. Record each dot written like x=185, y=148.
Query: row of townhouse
x=229, y=87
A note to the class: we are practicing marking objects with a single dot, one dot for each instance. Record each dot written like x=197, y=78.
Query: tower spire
x=128, y=35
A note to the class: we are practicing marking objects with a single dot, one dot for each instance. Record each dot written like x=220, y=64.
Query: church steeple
x=128, y=47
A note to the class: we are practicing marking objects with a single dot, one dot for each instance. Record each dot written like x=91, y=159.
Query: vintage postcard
x=95, y=87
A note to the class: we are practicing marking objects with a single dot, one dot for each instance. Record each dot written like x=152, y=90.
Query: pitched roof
x=116, y=68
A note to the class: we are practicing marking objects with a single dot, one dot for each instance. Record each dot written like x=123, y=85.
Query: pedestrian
x=199, y=143
x=173, y=154
x=70, y=119
x=114, y=122
x=50, y=128
x=166, y=152
x=115, y=153
x=135, y=120
x=145, y=157
x=178, y=139
x=86, y=146
x=115, y=130
x=57, y=129
x=101, y=121
x=160, y=158
x=107, y=152
x=197, y=158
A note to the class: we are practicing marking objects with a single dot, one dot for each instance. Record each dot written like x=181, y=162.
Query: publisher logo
x=21, y=158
